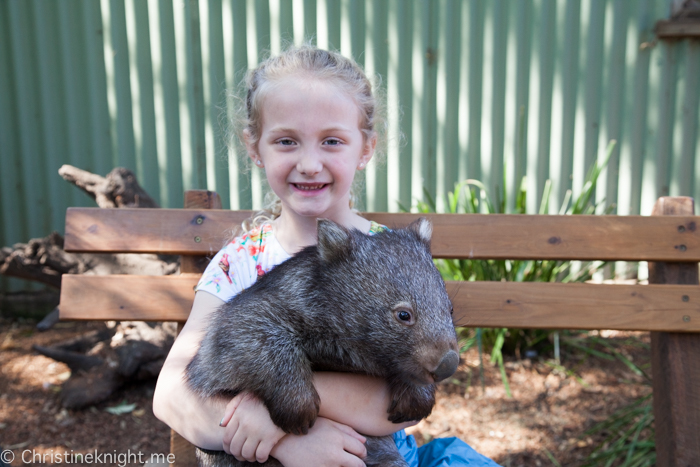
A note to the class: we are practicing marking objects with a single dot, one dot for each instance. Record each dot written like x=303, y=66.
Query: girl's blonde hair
x=307, y=61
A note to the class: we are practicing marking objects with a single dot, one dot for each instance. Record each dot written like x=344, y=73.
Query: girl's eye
x=285, y=142
x=332, y=142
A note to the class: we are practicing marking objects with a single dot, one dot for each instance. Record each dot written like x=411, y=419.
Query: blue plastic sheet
x=441, y=452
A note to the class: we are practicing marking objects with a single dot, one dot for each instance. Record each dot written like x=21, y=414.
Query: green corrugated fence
x=491, y=90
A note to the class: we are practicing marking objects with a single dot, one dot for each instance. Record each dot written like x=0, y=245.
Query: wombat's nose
x=447, y=366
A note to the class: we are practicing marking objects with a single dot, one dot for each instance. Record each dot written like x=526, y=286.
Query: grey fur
x=340, y=306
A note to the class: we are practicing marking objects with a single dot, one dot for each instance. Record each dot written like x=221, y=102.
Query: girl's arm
x=358, y=401
x=194, y=418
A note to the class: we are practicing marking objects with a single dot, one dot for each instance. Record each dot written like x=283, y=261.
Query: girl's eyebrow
x=323, y=130
x=282, y=130
x=338, y=128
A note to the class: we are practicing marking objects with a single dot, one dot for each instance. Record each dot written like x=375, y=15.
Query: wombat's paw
x=401, y=417
x=295, y=415
x=382, y=452
x=411, y=403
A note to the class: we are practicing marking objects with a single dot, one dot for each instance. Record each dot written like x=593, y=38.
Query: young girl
x=310, y=125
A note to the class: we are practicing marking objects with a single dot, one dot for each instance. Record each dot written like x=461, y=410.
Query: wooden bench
x=669, y=307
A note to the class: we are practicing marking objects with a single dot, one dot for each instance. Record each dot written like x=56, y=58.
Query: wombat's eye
x=404, y=316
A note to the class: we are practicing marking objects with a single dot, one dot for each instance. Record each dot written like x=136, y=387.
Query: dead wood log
x=87, y=342
x=100, y=362
x=49, y=320
x=139, y=345
x=119, y=189
x=105, y=360
x=90, y=388
x=79, y=353
x=44, y=260
x=41, y=259
x=75, y=360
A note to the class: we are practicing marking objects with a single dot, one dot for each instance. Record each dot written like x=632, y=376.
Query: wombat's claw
x=296, y=425
x=299, y=431
x=400, y=418
x=299, y=421
x=397, y=416
x=411, y=405
x=303, y=430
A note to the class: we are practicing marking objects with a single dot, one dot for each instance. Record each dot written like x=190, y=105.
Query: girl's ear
x=367, y=152
x=250, y=149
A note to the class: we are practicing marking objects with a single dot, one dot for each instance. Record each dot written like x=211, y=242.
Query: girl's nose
x=309, y=163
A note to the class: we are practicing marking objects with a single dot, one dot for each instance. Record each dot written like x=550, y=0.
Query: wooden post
x=184, y=451
x=676, y=360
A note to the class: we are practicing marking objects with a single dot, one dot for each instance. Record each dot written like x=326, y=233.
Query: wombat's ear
x=333, y=240
x=424, y=228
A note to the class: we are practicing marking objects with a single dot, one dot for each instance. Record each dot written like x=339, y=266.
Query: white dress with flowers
x=239, y=264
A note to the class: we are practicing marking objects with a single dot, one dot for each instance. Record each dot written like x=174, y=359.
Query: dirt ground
x=548, y=414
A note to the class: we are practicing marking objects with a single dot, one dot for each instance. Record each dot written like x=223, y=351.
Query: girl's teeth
x=315, y=187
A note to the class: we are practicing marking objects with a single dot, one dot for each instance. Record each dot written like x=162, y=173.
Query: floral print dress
x=239, y=264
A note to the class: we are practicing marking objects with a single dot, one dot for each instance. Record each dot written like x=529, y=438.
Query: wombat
x=353, y=303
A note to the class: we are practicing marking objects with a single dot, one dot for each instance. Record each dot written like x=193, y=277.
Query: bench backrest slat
x=476, y=304
x=493, y=236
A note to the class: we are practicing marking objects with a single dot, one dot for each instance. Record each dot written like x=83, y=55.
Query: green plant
x=470, y=197
x=627, y=436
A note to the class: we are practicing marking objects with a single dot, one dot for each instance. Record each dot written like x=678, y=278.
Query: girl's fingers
x=349, y=431
x=353, y=442
x=248, y=450
x=231, y=409
x=354, y=446
x=237, y=444
x=348, y=460
x=263, y=451
x=229, y=433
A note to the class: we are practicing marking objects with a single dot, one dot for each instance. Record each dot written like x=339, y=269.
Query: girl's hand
x=328, y=444
x=250, y=434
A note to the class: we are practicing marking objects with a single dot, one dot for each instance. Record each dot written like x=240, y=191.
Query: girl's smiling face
x=311, y=145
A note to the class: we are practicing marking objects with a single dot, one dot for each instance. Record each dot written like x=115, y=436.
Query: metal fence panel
x=488, y=90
